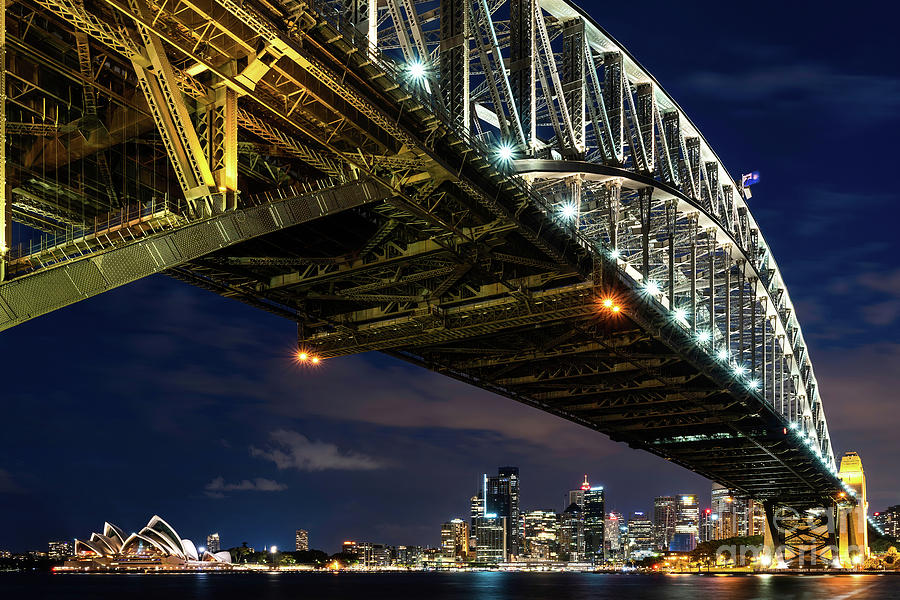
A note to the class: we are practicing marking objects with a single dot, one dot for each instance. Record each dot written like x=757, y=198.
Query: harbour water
x=446, y=586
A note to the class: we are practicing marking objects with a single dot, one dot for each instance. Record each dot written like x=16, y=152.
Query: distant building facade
x=708, y=520
x=541, y=535
x=687, y=516
x=213, y=544
x=571, y=534
x=889, y=521
x=455, y=540
x=370, y=555
x=58, y=550
x=663, y=521
x=641, y=541
x=614, y=534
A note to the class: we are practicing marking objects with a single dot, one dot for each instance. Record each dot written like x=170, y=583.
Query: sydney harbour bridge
x=493, y=189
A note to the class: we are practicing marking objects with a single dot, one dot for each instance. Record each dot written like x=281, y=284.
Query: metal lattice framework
x=520, y=168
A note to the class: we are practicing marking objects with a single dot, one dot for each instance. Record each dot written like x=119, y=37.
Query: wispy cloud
x=292, y=450
x=861, y=98
x=217, y=487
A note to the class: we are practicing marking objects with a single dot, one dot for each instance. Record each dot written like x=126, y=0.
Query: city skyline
x=198, y=376
x=682, y=513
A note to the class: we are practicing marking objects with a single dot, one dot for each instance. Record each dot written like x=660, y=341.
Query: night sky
x=161, y=398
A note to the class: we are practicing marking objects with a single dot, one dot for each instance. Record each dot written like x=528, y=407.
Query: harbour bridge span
x=493, y=189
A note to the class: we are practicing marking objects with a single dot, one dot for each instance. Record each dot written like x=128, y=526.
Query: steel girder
x=50, y=289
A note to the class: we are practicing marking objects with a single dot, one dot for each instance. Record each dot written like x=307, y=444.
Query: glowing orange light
x=315, y=360
x=842, y=494
x=222, y=188
x=302, y=355
x=607, y=302
x=616, y=308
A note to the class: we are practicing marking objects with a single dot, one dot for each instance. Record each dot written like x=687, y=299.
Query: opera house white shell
x=156, y=544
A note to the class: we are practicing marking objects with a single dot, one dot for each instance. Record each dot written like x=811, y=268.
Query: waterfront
x=447, y=586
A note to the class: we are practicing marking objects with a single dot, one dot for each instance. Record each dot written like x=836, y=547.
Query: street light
x=416, y=70
x=569, y=211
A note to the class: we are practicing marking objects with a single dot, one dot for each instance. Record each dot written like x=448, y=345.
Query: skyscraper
x=571, y=534
x=455, y=540
x=212, y=543
x=640, y=535
x=663, y=521
x=722, y=505
x=708, y=520
x=594, y=524
x=488, y=530
x=687, y=520
x=612, y=534
x=501, y=497
x=577, y=496
x=301, y=540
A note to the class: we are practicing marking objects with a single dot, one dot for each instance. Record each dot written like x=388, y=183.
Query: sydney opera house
x=155, y=547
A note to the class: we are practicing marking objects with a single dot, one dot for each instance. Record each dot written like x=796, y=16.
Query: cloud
x=8, y=485
x=858, y=97
x=292, y=450
x=216, y=487
x=882, y=313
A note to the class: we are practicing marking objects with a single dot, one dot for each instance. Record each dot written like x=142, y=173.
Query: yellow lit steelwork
x=853, y=541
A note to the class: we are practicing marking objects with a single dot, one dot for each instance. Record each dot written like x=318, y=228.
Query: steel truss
x=609, y=191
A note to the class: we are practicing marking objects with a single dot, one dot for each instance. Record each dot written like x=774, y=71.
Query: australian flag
x=749, y=179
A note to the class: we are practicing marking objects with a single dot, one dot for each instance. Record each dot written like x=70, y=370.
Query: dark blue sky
x=159, y=398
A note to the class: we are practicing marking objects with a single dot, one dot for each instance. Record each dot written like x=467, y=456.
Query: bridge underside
x=514, y=323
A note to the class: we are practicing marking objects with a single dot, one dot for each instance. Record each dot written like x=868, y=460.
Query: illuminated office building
x=663, y=521
x=641, y=541
x=541, y=534
x=571, y=534
x=594, y=524
x=455, y=540
x=577, y=496
x=687, y=519
x=501, y=497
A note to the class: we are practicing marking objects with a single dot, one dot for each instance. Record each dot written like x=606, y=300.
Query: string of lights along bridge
x=496, y=190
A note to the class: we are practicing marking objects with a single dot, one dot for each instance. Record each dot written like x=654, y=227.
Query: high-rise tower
x=594, y=524
x=501, y=498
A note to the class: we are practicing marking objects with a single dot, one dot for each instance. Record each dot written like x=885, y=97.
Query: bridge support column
x=773, y=541
x=852, y=520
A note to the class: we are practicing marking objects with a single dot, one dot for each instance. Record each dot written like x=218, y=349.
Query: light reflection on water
x=446, y=586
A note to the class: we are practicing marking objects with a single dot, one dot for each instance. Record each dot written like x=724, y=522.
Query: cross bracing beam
x=97, y=273
x=723, y=252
